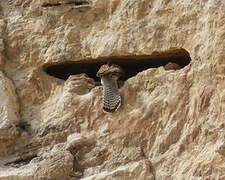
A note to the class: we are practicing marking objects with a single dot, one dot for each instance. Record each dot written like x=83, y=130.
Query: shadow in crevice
x=20, y=162
x=130, y=64
x=72, y=3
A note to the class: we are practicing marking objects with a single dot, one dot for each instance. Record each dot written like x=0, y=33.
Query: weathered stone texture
x=9, y=115
x=57, y=166
x=171, y=124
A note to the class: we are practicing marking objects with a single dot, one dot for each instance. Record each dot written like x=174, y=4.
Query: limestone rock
x=80, y=84
x=22, y=173
x=2, y=47
x=136, y=170
x=9, y=114
x=57, y=166
x=76, y=140
x=2, y=36
x=170, y=124
x=172, y=66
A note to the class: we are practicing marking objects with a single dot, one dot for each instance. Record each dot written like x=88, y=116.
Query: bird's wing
x=112, y=98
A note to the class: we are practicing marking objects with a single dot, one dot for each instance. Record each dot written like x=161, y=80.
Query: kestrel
x=109, y=75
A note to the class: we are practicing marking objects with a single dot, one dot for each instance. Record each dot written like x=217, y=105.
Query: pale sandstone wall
x=171, y=124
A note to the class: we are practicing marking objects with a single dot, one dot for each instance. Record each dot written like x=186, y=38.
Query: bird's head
x=113, y=71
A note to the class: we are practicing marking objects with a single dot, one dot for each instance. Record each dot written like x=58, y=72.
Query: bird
x=109, y=74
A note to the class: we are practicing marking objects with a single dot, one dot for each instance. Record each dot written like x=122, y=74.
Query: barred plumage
x=112, y=98
x=109, y=76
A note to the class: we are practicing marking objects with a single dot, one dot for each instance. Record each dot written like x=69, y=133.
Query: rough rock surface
x=9, y=116
x=56, y=166
x=171, y=124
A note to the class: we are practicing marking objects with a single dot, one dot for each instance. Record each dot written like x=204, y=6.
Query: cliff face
x=171, y=124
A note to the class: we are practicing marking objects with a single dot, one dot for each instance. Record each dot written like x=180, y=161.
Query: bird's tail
x=112, y=98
